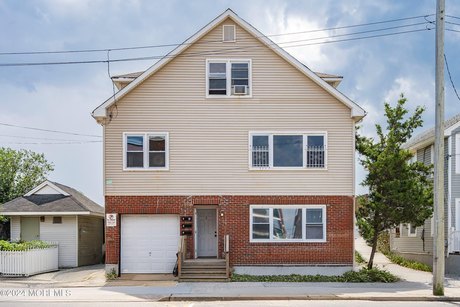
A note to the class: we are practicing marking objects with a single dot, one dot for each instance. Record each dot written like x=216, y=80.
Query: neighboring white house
x=57, y=213
x=417, y=242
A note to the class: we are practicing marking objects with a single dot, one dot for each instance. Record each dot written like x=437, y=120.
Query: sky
x=61, y=97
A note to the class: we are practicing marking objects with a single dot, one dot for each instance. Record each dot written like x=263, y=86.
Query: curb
x=179, y=298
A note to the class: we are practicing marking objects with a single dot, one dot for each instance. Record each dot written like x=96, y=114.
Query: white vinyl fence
x=29, y=262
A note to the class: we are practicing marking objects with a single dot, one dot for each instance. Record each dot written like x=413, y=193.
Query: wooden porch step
x=204, y=270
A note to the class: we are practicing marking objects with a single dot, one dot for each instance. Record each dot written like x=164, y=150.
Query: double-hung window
x=146, y=151
x=411, y=230
x=226, y=78
x=287, y=150
x=288, y=223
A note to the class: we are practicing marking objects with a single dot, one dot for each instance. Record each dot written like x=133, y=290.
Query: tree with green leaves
x=399, y=191
x=20, y=171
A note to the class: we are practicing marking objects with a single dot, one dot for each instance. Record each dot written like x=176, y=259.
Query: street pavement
x=80, y=286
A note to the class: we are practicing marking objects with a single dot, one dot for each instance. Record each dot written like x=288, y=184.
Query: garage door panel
x=149, y=243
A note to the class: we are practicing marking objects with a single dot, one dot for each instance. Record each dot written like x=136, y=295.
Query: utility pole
x=439, y=246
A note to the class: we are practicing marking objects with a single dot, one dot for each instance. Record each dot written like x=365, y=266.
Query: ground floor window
x=288, y=223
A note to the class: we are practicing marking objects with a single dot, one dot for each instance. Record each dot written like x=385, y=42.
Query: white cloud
x=65, y=108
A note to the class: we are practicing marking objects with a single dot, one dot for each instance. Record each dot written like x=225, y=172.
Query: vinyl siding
x=209, y=137
x=455, y=178
x=423, y=243
x=90, y=237
x=65, y=234
x=15, y=228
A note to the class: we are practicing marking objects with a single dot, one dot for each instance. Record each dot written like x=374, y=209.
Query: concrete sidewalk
x=401, y=291
x=415, y=286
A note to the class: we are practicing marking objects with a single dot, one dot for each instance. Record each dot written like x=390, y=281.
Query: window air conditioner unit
x=240, y=90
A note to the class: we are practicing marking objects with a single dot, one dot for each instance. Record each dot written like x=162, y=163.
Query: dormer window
x=227, y=78
x=228, y=34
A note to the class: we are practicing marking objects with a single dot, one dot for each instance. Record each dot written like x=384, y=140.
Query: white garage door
x=149, y=243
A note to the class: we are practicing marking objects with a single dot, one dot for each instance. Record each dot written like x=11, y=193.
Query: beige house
x=236, y=146
x=57, y=213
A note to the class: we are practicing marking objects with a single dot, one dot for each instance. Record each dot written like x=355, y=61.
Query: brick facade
x=233, y=219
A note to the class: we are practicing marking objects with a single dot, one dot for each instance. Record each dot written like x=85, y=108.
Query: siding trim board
x=356, y=111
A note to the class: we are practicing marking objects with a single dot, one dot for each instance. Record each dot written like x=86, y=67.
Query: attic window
x=229, y=34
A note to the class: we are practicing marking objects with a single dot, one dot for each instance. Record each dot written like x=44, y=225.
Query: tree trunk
x=374, y=248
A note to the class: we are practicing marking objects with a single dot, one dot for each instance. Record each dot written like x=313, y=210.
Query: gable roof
x=426, y=137
x=356, y=110
x=67, y=201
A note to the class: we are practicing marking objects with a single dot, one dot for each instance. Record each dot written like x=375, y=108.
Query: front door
x=30, y=228
x=206, y=235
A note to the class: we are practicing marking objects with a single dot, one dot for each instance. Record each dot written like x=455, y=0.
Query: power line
x=210, y=52
x=453, y=16
x=452, y=30
x=180, y=44
x=450, y=77
x=48, y=130
x=453, y=23
x=40, y=138
x=48, y=143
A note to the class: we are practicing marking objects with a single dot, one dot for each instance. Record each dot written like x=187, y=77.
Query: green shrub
x=20, y=246
x=363, y=275
x=369, y=275
x=411, y=264
x=383, y=242
x=358, y=258
x=111, y=275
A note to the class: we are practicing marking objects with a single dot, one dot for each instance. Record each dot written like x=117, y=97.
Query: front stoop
x=203, y=270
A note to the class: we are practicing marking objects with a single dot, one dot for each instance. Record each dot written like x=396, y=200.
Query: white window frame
x=146, y=151
x=223, y=34
x=305, y=135
x=409, y=233
x=304, y=220
x=228, y=74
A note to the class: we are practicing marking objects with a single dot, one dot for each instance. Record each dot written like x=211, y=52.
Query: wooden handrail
x=227, y=254
x=181, y=255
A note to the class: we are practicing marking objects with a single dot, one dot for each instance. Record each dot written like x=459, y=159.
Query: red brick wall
x=233, y=219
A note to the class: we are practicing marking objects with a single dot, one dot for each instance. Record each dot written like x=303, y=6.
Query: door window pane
x=287, y=150
x=287, y=223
